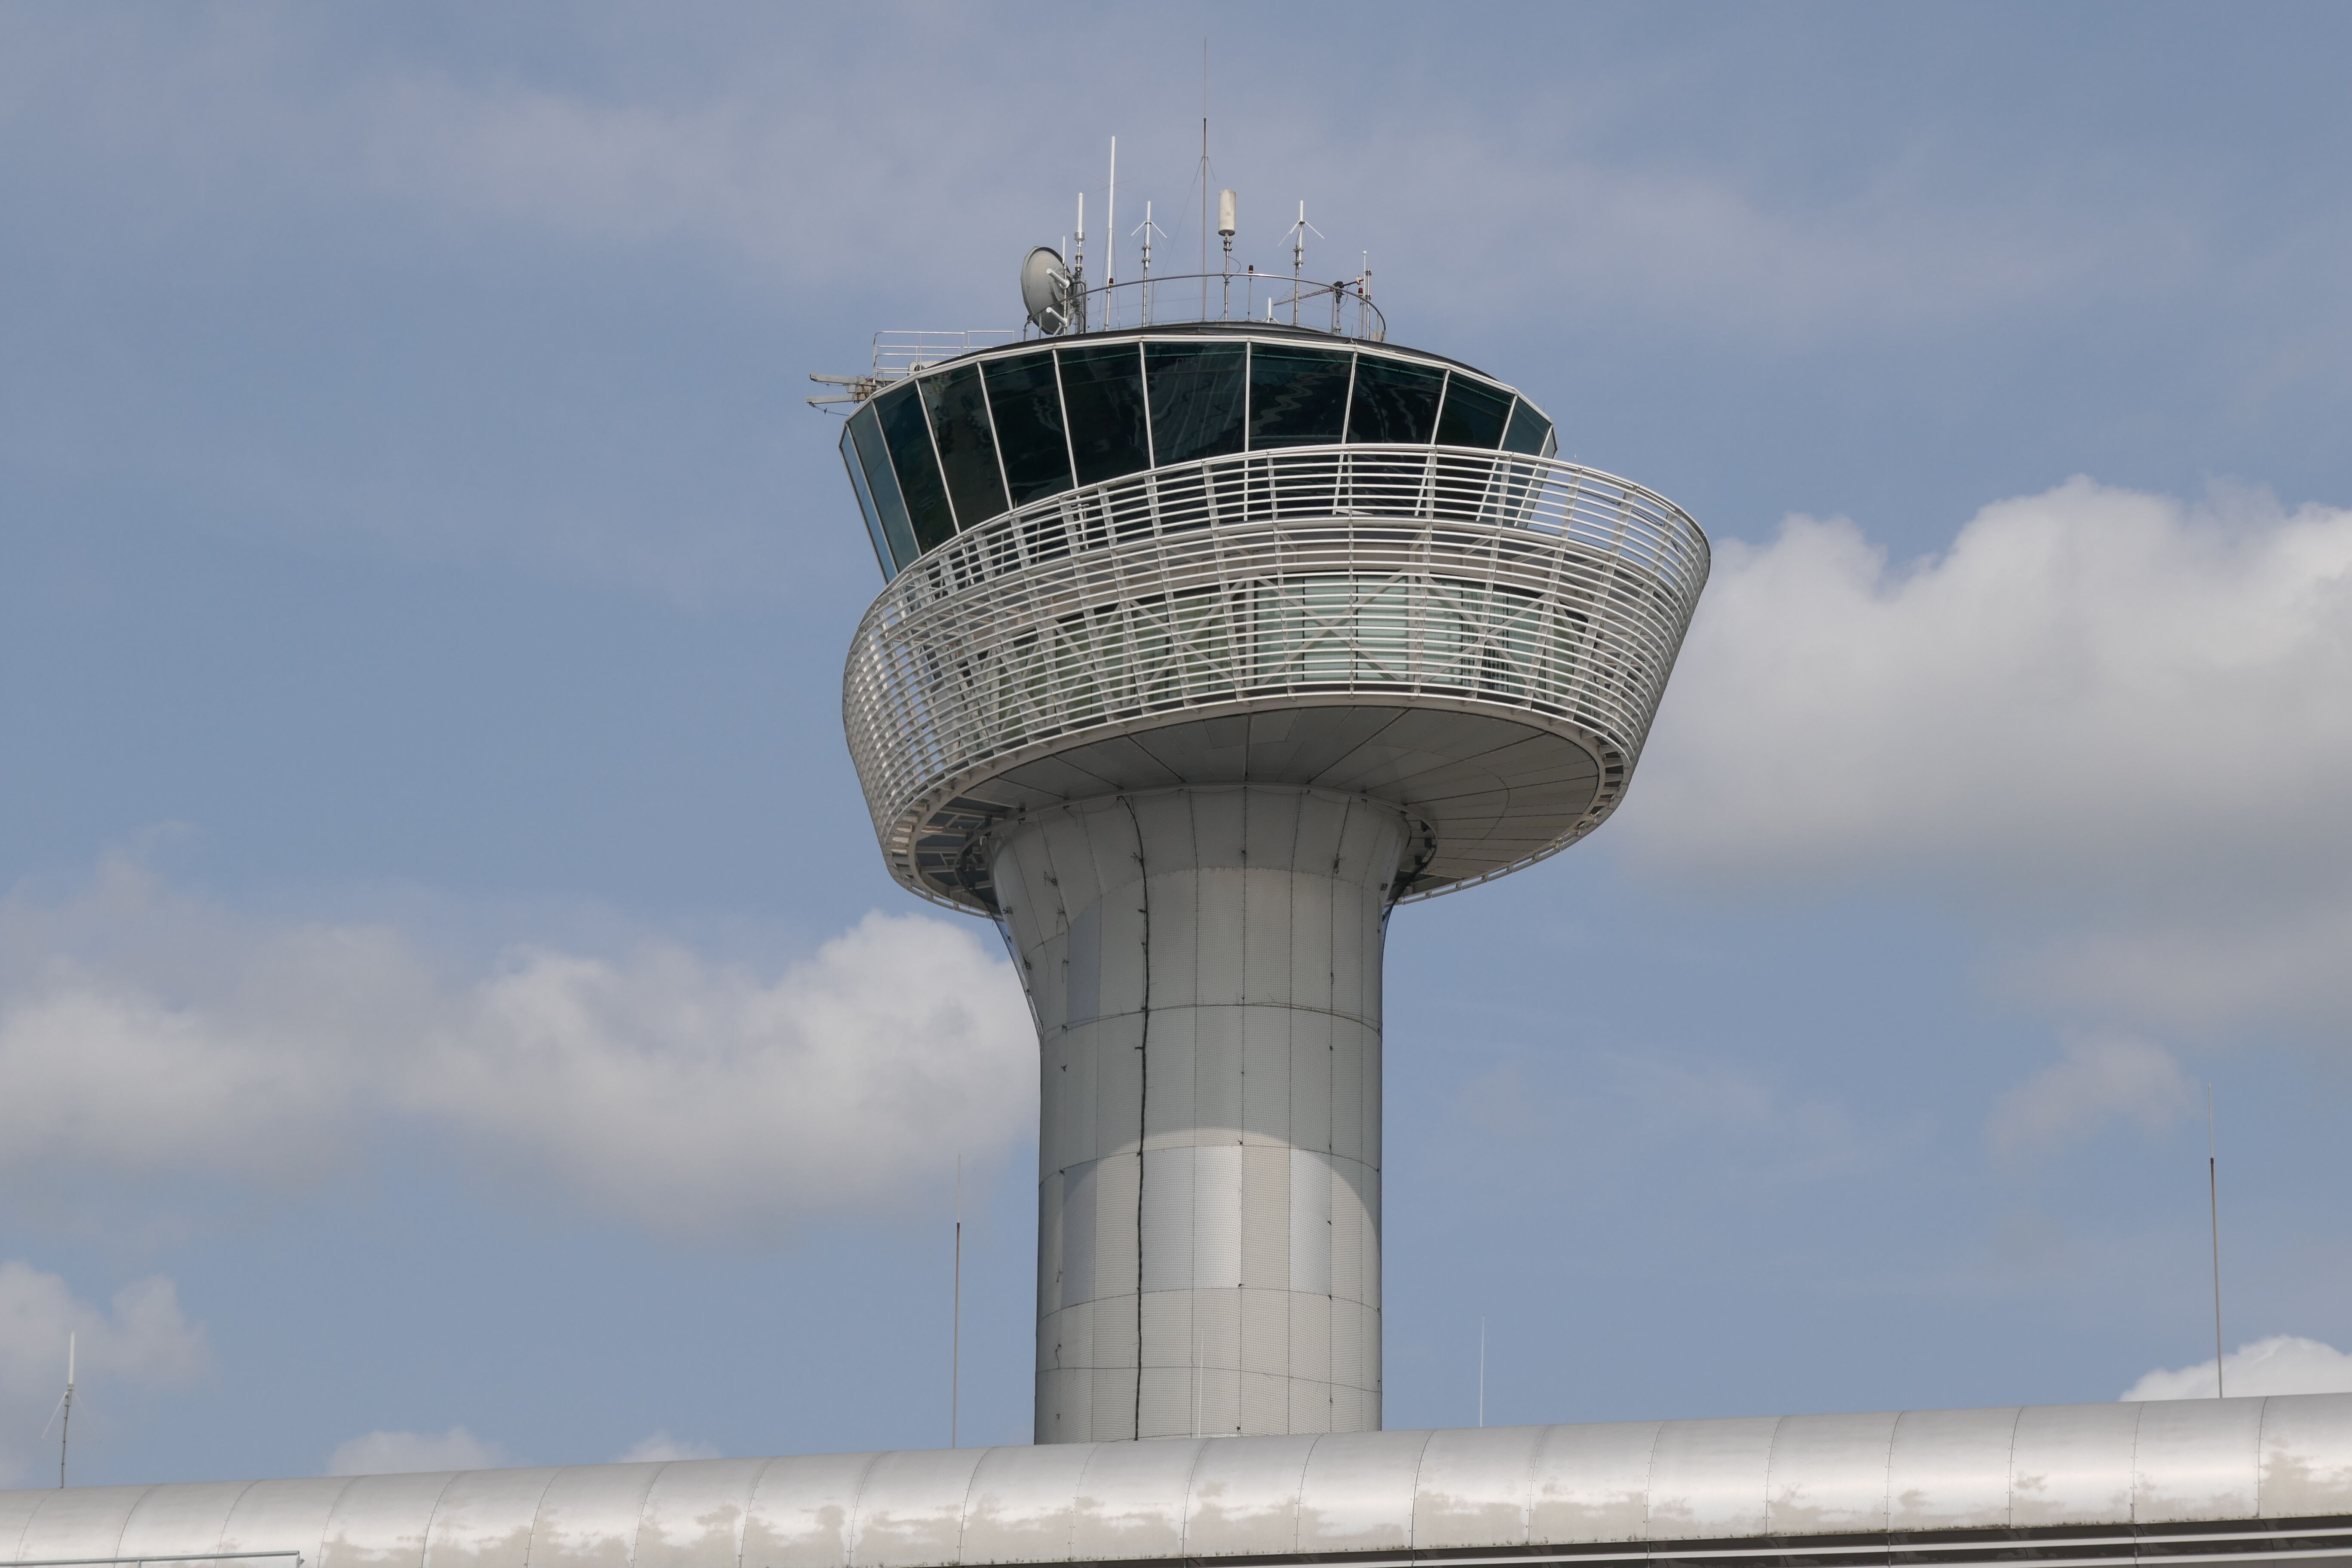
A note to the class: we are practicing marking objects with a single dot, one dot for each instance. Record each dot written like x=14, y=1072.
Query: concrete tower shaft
x=1205, y=967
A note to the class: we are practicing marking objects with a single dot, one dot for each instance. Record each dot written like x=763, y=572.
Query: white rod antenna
x=955, y=1332
x=1078, y=269
x=2214, y=1196
x=1110, y=225
x=65, y=1431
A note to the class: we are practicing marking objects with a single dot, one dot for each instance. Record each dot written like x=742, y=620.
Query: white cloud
x=2282, y=1364
x=2116, y=710
x=142, y=1033
x=145, y=1341
x=2098, y=1079
x=662, y=1446
x=2089, y=683
x=392, y=1453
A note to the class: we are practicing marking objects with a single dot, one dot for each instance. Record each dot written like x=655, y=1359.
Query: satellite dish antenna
x=1045, y=289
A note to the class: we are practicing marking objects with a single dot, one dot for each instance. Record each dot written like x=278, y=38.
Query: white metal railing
x=1458, y=577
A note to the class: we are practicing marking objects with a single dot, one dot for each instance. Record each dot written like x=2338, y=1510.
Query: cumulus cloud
x=2282, y=1364
x=144, y=1342
x=392, y=1453
x=2119, y=708
x=2089, y=680
x=662, y=1446
x=2098, y=1079
x=145, y=1033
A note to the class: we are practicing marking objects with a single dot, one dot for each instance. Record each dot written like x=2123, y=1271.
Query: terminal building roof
x=2260, y=1479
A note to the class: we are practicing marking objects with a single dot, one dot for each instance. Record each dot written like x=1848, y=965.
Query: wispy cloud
x=2097, y=1080
x=2282, y=1364
x=392, y=1453
x=145, y=1033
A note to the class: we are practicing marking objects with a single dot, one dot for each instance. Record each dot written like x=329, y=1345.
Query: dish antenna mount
x=1046, y=290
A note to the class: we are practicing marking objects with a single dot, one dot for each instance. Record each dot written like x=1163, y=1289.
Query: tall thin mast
x=65, y=1428
x=955, y=1330
x=2214, y=1196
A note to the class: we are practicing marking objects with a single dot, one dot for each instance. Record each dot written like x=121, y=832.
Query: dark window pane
x=1474, y=414
x=1102, y=389
x=1027, y=405
x=866, y=429
x=967, y=447
x=1529, y=430
x=1198, y=394
x=1394, y=401
x=1297, y=396
x=909, y=435
x=866, y=505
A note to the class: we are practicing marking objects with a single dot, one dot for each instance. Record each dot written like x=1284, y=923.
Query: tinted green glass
x=1475, y=413
x=967, y=446
x=866, y=505
x=909, y=435
x=1529, y=430
x=1297, y=396
x=1199, y=392
x=866, y=431
x=1025, y=403
x=1102, y=392
x=1394, y=401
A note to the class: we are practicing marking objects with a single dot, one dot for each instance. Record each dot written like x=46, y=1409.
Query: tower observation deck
x=1203, y=643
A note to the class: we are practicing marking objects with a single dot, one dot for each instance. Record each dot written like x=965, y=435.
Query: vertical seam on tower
x=1142, y=1095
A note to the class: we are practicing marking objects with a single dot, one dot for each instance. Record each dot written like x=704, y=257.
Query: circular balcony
x=1480, y=638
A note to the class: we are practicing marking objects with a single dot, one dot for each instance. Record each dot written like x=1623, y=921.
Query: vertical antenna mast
x=1204, y=179
x=955, y=1331
x=1078, y=269
x=2214, y=1196
x=65, y=1429
x=1110, y=233
x=1225, y=227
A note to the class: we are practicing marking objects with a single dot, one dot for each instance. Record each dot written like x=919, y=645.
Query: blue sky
x=447, y=981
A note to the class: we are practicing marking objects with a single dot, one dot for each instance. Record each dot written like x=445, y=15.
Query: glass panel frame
x=873, y=457
x=907, y=431
x=1475, y=413
x=1394, y=401
x=966, y=442
x=1199, y=408
x=1106, y=411
x=1032, y=443
x=866, y=504
x=1299, y=396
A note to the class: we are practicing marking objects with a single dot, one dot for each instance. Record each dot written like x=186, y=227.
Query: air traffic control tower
x=1205, y=644
x=1216, y=625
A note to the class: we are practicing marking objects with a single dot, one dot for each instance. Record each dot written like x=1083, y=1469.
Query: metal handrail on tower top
x=1342, y=307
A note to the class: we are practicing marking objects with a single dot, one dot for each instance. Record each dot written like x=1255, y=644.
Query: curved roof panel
x=1750, y=1485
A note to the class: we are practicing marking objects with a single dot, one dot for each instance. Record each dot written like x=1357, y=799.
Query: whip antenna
x=2213, y=1196
x=65, y=1427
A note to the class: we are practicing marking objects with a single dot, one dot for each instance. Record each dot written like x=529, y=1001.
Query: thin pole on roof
x=955, y=1318
x=2214, y=1196
x=1482, y=1372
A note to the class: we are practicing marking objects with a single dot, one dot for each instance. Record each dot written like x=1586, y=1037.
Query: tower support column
x=1204, y=965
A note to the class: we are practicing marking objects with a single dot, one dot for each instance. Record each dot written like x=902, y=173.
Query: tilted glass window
x=866, y=430
x=1102, y=393
x=1394, y=401
x=967, y=445
x=908, y=432
x=1200, y=394
x=866, y=504
x=1530, y=432
x=1025, y=401
x=1297, y=396
x=1473, y=414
